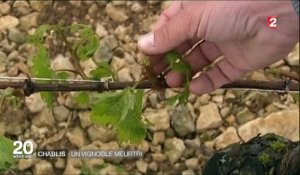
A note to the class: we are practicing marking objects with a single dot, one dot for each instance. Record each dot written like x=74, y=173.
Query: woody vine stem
x=29, y=86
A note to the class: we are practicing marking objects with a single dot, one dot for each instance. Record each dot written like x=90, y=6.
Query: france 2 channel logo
x=23, y=149
x=272, y=22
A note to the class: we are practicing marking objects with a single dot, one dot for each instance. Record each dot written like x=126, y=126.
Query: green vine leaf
x=87, y=44
x=123, y=110
x=62, y=75
x=6, y=149
x=82, y=98
x=41, y=64
x=181, y=68
x=177, y=64
x=38, y=37
x=88, y=47
x=172, y=56
x=181, y=98
x=41, y=69
x=103, y=70
x=8, y=91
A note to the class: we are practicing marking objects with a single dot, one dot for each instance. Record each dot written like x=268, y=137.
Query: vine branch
x=74, y=57
x=30, y=87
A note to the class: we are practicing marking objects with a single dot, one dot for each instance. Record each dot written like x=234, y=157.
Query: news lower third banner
x=81, y=154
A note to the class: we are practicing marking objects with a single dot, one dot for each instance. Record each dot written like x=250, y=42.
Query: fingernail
x=146, y=41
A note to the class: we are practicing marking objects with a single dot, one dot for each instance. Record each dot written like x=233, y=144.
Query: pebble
x=43, y=118
x=73, y=166
x=101, y=133
x=6, y=45
x=111, y=41
x=13, y=56
x=153, y=166
x=92, y=163
x=43, y=167
x=76, y=136
x=166, y=4
x=124, y=75
x=158, y=157
x=149, y=22
x=173, y=148
x=192, y=163
x=181, y=120
x=61, y=113
x=88, y=66
x=152, y=97
x=258, y=75
x=293, y=57
x=3, y=57
x=230, y=119
x=193, y=143
x=2, y=68
x=8, y=22
x=121, y=32
x=16, y=127
x=141, y=166
x=84, y=117
x=102, y=3
x=29, y=21
x=35, y=103
x=93, y=10
x=229, y=95
x=218, y=98
x=244, y=116
x=106, y=47
x=118, y=63
x=21, y=8
x=111, y=146
x=225, y=111
x=26, y=163
x=137, y=7
x=61, y=62
x=155, y=148
x=270, y=124
x=39, y=6
x=4, y=8
x=160, y=118
x=100, y=30
x=218, y=92
x=115, y=14
x=202, y=100
x=60, y=163
x=188, y=172
x=136, y=72
x=209, y=117
x=118, y=3
x=158, y=137
x=144, y=146
x=153, y=2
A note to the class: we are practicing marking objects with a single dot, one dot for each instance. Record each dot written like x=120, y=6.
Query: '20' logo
x=23, y=148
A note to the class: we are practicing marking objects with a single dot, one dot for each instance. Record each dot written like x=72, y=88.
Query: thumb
x=170, y=35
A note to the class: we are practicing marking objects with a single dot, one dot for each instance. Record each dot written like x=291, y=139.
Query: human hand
x=236, y=30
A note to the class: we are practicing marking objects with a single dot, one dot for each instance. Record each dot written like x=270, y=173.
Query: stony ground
x=183, y=137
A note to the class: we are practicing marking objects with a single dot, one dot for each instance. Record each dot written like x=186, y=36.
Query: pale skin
x=237, y=31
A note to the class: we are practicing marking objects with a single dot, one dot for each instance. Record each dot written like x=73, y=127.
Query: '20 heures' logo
x=23, y=149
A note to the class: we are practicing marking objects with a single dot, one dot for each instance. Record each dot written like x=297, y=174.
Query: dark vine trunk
x=262, y=155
